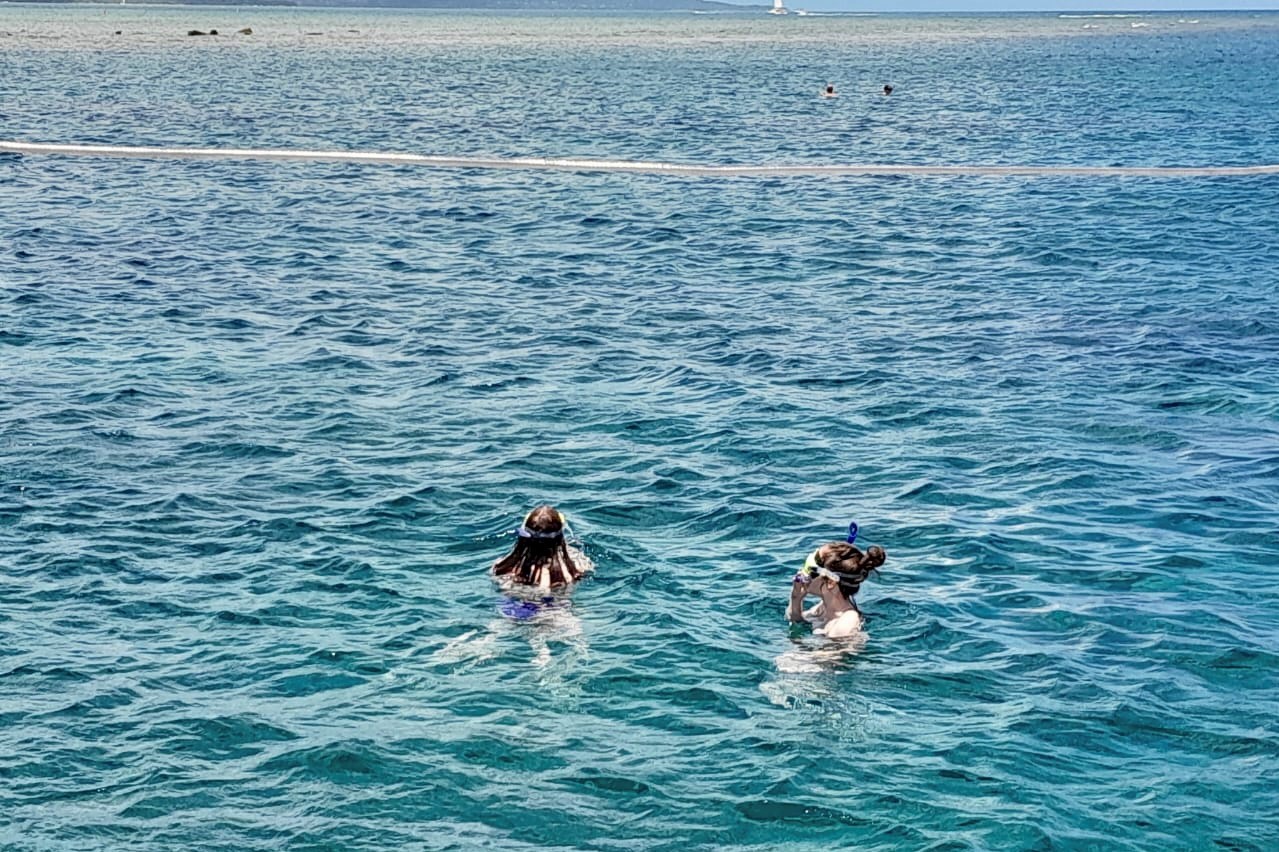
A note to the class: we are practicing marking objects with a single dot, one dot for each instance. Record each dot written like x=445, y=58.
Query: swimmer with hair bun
x=834, y=572
x=541, y=556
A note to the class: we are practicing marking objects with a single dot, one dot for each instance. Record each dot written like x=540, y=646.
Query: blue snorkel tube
x=852, y=532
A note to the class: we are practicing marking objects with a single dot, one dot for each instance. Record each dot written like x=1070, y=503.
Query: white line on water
x=639, y=167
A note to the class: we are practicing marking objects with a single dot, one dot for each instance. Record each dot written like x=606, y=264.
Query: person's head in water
x=888, y=90
x=540, y=556
x=851, y=565
x=835, y=572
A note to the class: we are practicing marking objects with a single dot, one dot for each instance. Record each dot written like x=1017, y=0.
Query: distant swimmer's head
x=888, y=90
x=540, y=556
x=829, y=91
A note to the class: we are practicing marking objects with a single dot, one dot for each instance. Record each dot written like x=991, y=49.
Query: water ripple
x=264, y=425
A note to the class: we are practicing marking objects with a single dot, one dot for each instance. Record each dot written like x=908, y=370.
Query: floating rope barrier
x=630, y=166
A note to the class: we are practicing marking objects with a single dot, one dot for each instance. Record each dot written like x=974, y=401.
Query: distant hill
x=514, y=5
x=532, y=5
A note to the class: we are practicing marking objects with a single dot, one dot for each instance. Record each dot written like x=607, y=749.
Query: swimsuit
x=522, y=610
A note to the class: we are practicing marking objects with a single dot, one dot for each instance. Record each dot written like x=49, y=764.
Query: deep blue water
x=263, y=427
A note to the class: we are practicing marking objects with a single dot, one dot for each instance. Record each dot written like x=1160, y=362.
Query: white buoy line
x=631, y=166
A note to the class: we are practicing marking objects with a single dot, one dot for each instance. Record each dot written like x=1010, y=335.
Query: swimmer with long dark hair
x=834, y=572
x=535, y=578
x=541, y=556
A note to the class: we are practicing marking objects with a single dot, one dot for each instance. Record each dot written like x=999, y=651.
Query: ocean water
x=263, y=427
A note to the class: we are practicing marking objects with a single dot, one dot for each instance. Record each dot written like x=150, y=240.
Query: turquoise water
x=263, y=427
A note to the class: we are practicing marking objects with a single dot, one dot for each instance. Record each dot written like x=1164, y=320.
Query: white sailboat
x=778, y=8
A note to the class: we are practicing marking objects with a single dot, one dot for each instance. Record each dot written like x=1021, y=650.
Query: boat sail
x=778, y=8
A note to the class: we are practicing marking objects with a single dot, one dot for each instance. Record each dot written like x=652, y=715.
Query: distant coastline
x=512, y=5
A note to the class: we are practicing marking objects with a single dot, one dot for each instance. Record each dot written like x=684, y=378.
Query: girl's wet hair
x=852, y=565
x=540, y=552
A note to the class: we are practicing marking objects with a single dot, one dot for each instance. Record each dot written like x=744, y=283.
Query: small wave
x=628, y=166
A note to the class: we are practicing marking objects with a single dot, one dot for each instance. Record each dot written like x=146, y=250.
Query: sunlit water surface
x=264, y=425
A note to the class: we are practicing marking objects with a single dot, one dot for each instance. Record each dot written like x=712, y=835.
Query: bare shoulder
x=842, y=626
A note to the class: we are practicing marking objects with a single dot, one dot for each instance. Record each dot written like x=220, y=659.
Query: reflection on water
x=545, y=621
x=818, y=654
x=815, y=678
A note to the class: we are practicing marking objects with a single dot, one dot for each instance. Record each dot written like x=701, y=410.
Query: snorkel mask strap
x=840, y=577
x=525, y=532
x=542, y=535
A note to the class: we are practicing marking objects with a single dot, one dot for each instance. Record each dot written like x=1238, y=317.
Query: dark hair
x=543, y=551
x=852, y=566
